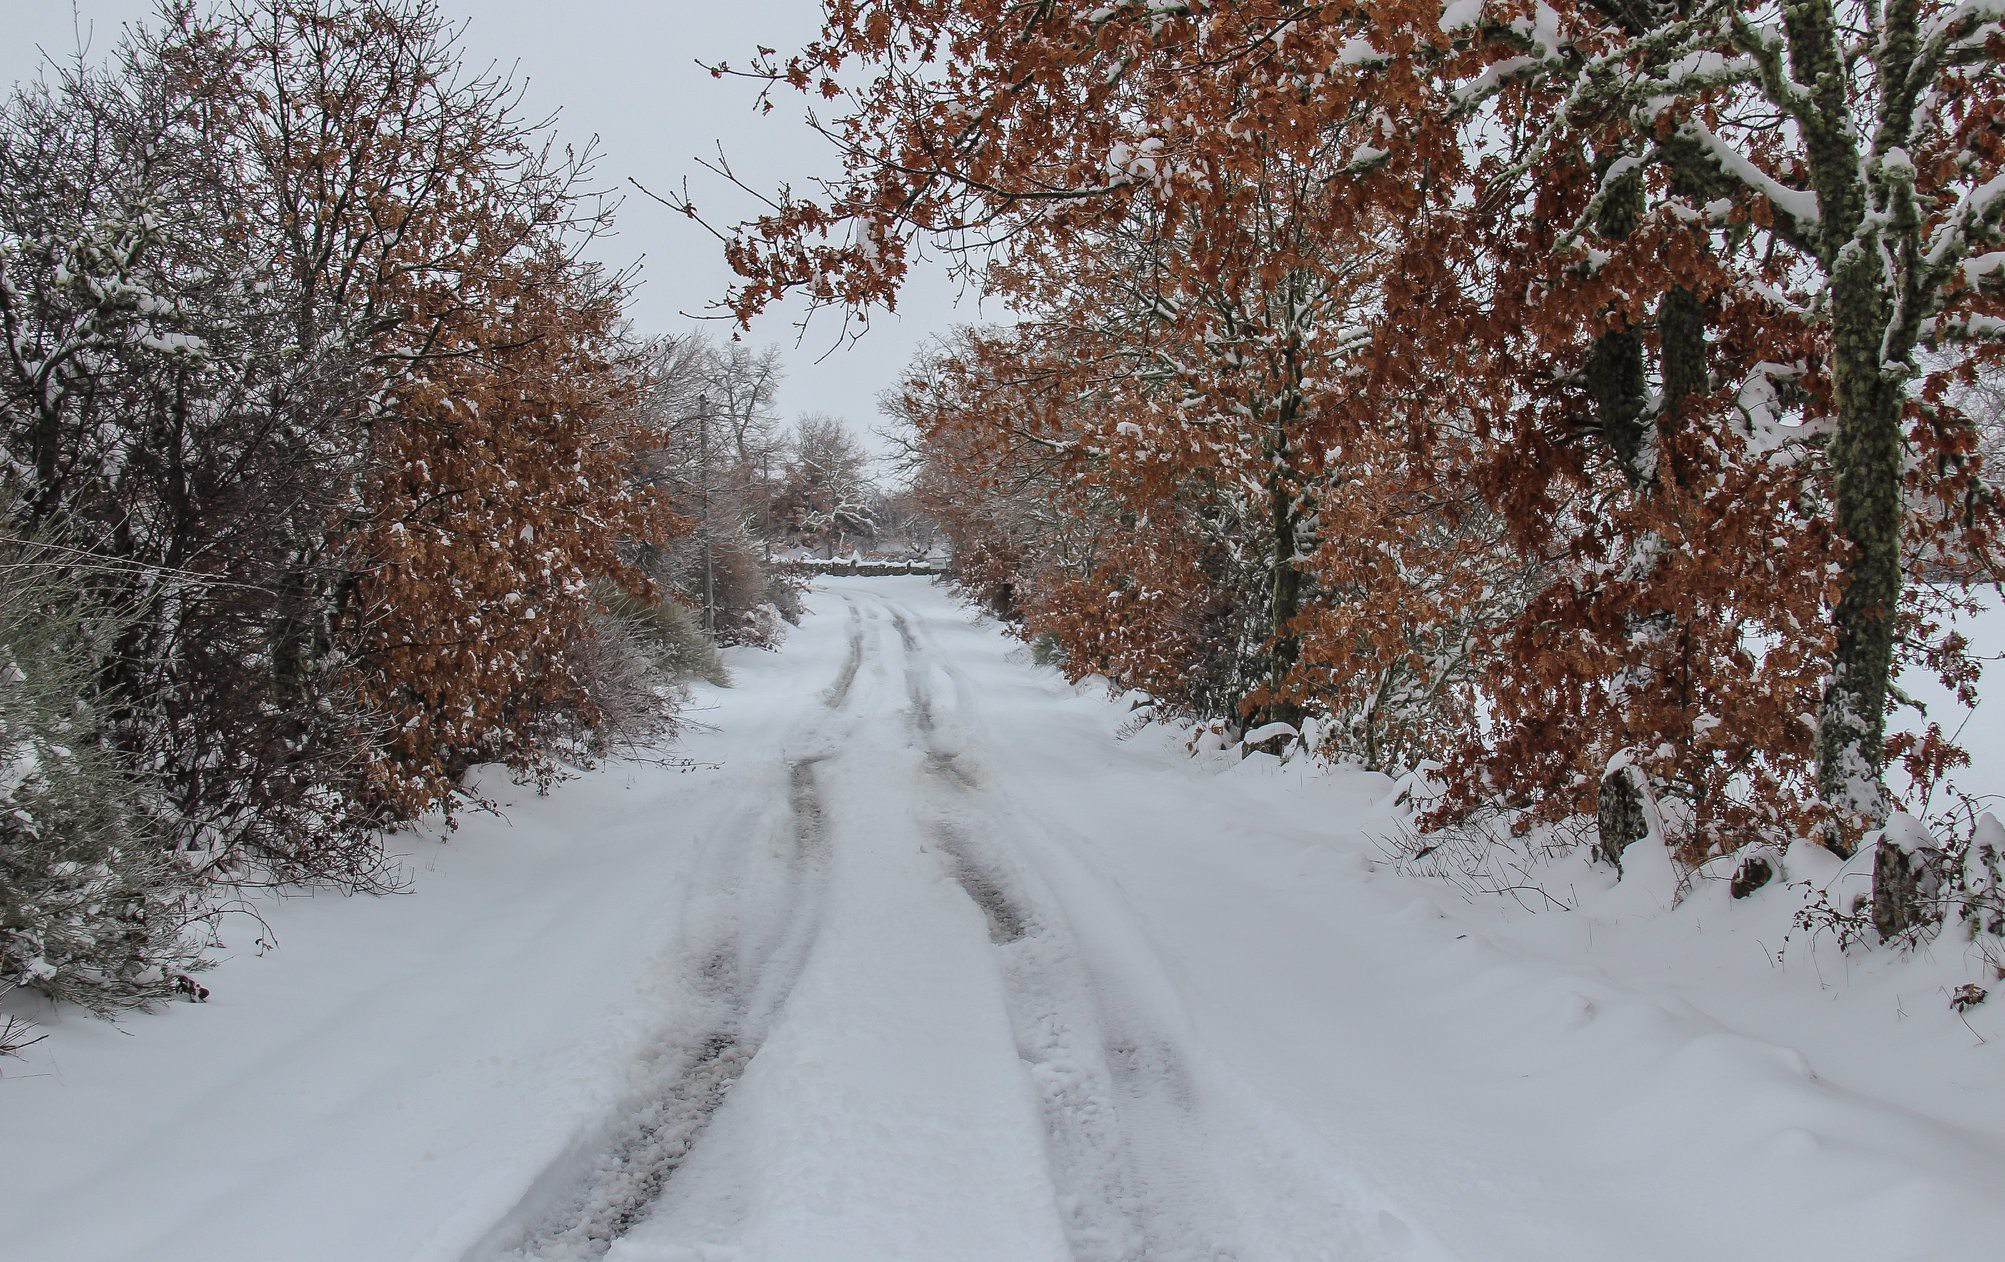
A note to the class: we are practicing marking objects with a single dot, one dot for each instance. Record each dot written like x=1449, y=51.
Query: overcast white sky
x=625, y=70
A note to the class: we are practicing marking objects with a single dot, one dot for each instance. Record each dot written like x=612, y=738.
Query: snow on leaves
x=1561, y=354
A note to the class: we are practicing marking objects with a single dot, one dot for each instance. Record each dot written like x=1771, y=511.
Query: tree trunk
x=1284, y=649
x=1615, y=370
x=1866, y=467
x=1616, y=380
x=1907, y=882
x=1681, y=336
x=1866, y=449
x=1622, y=814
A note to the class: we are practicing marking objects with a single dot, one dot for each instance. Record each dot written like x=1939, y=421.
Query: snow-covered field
x=924, y=963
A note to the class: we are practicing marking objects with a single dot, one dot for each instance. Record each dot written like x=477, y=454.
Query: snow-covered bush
x=671, y=635
x=1962, y=888
x=629, y=684
x=93, y=903
x=1981, y=887
x=1916, y=884
x=785, y=585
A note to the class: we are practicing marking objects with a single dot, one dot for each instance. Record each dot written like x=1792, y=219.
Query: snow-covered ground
x=924, y=963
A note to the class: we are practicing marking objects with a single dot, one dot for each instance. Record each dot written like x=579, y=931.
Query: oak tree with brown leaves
x=303, y=375
x=1647, y=291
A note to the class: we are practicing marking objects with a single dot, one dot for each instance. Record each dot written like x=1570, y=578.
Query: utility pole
x=703, y=519
x=766, y=496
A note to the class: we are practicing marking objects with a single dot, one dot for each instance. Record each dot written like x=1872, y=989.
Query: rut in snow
x=1008, y=922
x=916, y=690
x=837, y=695
x=595, y=1196
x=1117, y=1105
x=942, y=761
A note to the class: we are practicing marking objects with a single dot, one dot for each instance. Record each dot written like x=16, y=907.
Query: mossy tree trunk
x=1866, y=371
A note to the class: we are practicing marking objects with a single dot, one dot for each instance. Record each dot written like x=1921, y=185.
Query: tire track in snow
x=1117, y=1105
x=837, y=695
x=943, y=757
x=600, y=1189
x=1008, y=922
x=1120, y=1113
x=916, y=691
x=1217, y=1173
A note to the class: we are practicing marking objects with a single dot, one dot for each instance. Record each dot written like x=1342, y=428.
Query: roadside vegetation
x=1583, y=404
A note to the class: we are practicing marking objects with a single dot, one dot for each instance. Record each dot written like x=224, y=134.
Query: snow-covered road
x=970, y=1050
x=925, y=964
